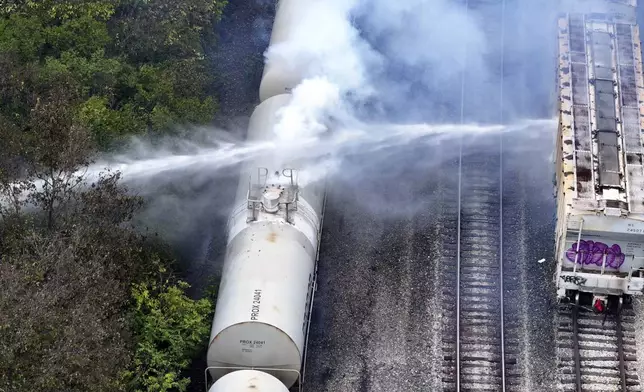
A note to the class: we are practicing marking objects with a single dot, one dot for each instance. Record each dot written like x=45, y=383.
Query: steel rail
x=458, y=227
x=575, y=344
x=590, y=382
x=501, y=197
x=620, y=346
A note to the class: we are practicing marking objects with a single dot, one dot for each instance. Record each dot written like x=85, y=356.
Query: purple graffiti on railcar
x=592, y=252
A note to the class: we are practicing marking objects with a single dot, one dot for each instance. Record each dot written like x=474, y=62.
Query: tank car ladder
x=581, y=228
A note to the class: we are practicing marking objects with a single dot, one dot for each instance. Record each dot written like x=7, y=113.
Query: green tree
x=63, y=294
x=155, y=30
x=16, y=90
x=107, y=124
x=87, y=302
x=60, y=9
x=84, y=35
x=171, y=329
x=163, y=91
x=22, y=36
x=131, y=61
x=88, y=305
x=57, y=147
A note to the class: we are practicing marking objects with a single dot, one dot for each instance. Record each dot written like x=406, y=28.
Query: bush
x=170, y=330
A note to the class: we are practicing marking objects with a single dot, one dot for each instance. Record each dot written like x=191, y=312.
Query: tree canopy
x=88, y=303
x=129, y=66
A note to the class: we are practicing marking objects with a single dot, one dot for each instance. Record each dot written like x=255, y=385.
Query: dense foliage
x=129, y=66
x=87, y=303
x=170, y=330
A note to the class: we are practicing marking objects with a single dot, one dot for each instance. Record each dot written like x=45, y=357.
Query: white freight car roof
x=623, y=11
x=595, y=6
x=601, y=96
x=632, y=3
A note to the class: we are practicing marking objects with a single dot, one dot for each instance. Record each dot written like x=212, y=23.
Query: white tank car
x=264, y=302
x=268, y=280
x=248, y=381
x=600, y=156
x=282, y=71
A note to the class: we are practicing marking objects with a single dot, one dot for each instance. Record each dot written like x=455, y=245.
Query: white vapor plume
x=342, y=69
x=327, y=43
x=431, y=34
x=377, y=73
x=322, y=41
x=178, y=156
x=313, y=100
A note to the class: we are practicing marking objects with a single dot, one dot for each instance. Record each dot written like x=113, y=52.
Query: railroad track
x=596, y=352
x=480, y=332
x=479, y=349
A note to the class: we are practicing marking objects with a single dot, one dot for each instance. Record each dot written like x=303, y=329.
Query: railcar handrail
x=292, y=188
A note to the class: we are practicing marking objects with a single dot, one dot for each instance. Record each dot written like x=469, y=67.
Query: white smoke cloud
x=319, y=39
x=354, y=56
x=312, y=101
x=433, y=35
x=344, y=49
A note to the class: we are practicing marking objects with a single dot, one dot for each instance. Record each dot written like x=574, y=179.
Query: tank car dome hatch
x=248, y=381
x=271, y=198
